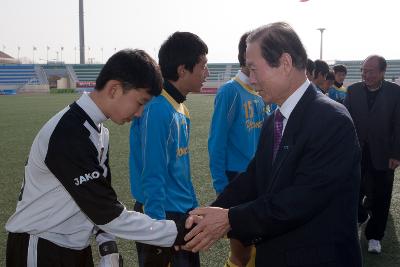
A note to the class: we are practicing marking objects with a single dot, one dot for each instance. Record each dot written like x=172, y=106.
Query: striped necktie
x=278, y=129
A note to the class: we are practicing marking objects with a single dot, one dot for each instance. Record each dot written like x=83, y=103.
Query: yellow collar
x=181, y=108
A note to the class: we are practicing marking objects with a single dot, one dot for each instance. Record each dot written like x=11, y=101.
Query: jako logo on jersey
x=85, y=178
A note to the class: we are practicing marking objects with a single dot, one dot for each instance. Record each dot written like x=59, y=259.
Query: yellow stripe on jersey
x=181, y=108
x=342, y=88
x=248, y=88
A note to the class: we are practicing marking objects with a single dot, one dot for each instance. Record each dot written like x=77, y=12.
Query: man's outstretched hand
x=184, y=228
x=211, y=224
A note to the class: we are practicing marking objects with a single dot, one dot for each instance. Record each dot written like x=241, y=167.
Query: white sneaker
x=374, y=246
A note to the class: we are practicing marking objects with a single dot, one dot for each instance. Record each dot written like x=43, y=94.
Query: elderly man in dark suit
x=297, y=201
x=374, y=105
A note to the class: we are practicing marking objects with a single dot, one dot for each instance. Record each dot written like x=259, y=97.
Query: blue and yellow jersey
x=159, y=158
x=270, y=108
x=234, y=131
x=337, y=94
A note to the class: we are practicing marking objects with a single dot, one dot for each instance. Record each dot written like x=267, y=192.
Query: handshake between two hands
x=203, y=227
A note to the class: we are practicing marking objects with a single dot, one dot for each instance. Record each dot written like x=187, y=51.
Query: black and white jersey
x=67, y=186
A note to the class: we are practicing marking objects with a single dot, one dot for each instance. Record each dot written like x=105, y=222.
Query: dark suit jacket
x=379, y=127
x=301, y=210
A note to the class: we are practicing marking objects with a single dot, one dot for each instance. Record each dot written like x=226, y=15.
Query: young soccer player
x=234, y=131
x=161, y=180
x=66, y=194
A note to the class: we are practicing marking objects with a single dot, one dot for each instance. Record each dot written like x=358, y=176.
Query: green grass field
x=22, y=116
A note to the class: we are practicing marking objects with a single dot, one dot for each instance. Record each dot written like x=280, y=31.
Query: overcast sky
x=354, y=28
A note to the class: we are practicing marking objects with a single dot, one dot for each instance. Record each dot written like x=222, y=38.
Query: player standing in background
x=338, y=91
x=234, y=131
x=160, y=174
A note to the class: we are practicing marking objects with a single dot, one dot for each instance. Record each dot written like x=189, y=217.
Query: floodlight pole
x=81, y=34
x=47, y=54
x=33, y=54
x=320, y=47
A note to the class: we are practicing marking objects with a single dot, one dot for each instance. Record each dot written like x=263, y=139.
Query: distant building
x=7, y=59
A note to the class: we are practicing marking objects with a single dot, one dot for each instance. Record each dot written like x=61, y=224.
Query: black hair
x=242, y=49
x=320, y=67
x=310, y=66
x=134, y=69
x=181, y=48
x=330, y=76
x=340, y=68
x=276, y=39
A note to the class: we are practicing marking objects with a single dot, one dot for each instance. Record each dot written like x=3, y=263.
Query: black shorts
x=231, y=175
x=151, y=256
x=23, y=248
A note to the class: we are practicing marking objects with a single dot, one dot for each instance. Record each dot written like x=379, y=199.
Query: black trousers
x=376, y=187
x=231, y=175
x=154, y=256
x=48, y=254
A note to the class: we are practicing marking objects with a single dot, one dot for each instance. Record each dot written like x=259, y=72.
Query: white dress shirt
x=290, y=103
